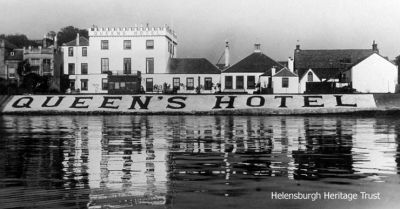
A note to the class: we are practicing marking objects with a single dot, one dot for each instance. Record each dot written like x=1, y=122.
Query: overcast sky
x=203, y=26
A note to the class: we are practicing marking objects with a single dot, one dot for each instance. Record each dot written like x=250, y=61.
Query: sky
x=203, y=26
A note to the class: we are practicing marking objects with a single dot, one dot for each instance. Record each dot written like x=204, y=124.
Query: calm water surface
x=196, y=161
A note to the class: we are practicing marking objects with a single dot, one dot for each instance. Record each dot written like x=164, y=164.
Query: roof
x=324, y=59
x=285, y=73
x=16, y=54
x=191, y=66
x=322, y=73
x=82, y=42
x=254, y=63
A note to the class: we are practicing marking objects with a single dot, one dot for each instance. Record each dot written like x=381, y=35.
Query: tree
x=68, y=34
x=19, y=40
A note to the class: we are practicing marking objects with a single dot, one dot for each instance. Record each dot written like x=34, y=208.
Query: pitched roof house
x=244, y=75
x=327, y=64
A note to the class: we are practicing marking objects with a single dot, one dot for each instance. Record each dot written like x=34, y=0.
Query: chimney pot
x=77, y=39
x=227, y=56
x=375, y=47
x=257, y=48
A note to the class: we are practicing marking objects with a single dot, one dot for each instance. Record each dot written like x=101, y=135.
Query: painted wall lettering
x=109, y=104
x=229, y=102
x=307, y=101
x=142, y=105
x=180, y=104
x=25, y=104
x=79, y=102
x=46, y=103
x=283, y=100
x=261, y=101
x=340, y=103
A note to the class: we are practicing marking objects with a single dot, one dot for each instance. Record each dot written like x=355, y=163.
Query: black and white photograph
x=199, y=104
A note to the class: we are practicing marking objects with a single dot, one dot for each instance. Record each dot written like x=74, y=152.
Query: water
x=196, y=161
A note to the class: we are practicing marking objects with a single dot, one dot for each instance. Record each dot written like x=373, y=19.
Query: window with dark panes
x=127, y=65
x=149, y=44
x=149, y=84
x=189, y=83
x=84, y=68
x=228, y=82
x=207, y=83
x=72, y=84
x=239, y=82
x=71, y=68
x=84, y=51
x=70, y=51
x=104, y=83
x=310, y=77
x=149, y=65
x=251, y=82
x=127, y=44
x=84, y=84
x=104, y=44
x=176, y=83
x=104, y=65
x=285, y=82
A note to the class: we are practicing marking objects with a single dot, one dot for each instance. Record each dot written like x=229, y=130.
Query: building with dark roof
x=12, y=60
x=245, y=75
x=326, y=65
x=5, y=49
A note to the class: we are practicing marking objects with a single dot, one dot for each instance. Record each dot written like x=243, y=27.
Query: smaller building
x=285, y=82
x=12, y=62
x=374, y=74
x=255, y=69
x=124, y=84
x=6, y=48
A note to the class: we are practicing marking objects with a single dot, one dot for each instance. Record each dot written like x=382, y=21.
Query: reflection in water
x=122, y=161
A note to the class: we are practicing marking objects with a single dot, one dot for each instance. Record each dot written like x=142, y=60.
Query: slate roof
x=18, y=55
x=82, y=42
x=322, y=73
x=254, y=63
x=285, y=73
x=329, y=59
x=191, y=66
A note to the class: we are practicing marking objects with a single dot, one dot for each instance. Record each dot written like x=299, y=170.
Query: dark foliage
x=68, y=34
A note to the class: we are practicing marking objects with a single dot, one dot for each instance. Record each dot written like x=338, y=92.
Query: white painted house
x=245, y=75
x=76, y=66
x=374, y=74
x=285, y=82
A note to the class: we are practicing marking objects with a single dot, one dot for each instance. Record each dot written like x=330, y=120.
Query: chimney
x=55, y=41
x=375, y=47
x=227, y=54
x=44, y=42
x=297, y=48
x=257, y=48
x=77, y=39
x=291, y=64
x=273, y=71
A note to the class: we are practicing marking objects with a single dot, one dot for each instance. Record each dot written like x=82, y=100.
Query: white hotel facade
x=121, y=51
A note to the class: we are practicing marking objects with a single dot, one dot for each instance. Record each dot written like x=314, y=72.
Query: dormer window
x=12, y=53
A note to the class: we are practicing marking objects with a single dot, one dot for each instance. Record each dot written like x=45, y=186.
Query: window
x=228, y=82
x=149, y=85
x=176, y=83
x=72, y=84
x=46, y=65
x=251, y=82
x=127, y=44
x=127, y=65
x=11, y=72
x=71, y=68
x=104, y=44
x=189, y=83
x=149, y=44
x=285, y=82
x=111, y=85
x=35, y=61
x=84, y=51
x=70, y=51
x=116, y=86
x=84, y=84
x=104, y=83
x=84, y=68
x=310, y=77
x=239, y=82
x=207, y=83
x=149, y=65
x=122, y=85
x=104, y=65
